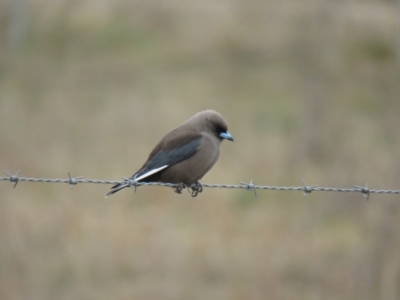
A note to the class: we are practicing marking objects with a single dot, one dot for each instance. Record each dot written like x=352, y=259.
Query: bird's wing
x=173, y=148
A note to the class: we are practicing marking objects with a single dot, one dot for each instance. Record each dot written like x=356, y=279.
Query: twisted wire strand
x=14, y=179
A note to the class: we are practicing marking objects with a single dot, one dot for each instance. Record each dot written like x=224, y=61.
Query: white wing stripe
x=150, y=173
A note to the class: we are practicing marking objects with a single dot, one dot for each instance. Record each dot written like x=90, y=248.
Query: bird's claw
x=196, y=188
x=178, y=189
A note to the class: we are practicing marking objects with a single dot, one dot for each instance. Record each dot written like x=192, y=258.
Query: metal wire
x=365, y=191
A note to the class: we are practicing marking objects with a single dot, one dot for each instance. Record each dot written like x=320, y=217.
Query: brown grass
x=310, y=90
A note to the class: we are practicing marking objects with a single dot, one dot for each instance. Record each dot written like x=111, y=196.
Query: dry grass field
x=310, y=90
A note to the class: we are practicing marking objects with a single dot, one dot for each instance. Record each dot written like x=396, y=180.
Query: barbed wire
x=364, y=190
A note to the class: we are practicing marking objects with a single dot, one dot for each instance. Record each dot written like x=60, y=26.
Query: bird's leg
x=178, y=189
x=196, y=188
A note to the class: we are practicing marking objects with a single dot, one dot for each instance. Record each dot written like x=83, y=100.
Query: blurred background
x=310, y=90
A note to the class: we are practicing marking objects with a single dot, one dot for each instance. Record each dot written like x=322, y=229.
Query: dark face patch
x=218, y=128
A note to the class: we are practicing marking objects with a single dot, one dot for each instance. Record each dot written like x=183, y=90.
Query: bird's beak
x=226, y=136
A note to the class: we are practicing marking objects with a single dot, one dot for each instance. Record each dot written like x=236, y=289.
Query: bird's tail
x=116, y=188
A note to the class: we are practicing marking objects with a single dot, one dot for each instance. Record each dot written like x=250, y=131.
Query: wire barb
x=73, y=181
x=131, y=182
x=13, y=178
x=307, y=189
x=250, y=187
x=364, y=190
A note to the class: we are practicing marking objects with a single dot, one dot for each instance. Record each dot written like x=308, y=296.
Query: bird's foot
x=178, y=189
x=196, y=188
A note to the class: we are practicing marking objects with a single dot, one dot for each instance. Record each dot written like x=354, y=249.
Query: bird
x=185, y=154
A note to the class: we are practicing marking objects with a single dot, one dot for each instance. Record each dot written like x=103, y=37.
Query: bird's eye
x=217, y=128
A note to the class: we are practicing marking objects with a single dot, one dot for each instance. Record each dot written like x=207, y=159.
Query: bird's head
x=213, y=123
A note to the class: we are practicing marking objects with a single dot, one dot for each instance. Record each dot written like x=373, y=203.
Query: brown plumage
x=185, y=154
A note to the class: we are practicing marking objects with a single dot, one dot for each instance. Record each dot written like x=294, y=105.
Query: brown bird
x=185, y=154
